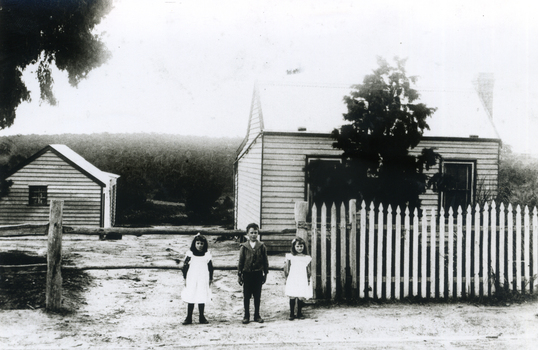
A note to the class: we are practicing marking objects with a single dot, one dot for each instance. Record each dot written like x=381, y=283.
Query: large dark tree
x=46, y=32
x=385, y=121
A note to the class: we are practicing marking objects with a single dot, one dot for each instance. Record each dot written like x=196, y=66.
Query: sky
x=189, y=67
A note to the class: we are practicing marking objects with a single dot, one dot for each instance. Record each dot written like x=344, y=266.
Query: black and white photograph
x=295, y=174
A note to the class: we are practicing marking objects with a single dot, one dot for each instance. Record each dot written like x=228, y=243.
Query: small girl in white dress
x=297, y=271
x=198, y=275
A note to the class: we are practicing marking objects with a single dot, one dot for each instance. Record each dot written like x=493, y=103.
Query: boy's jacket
x=251, y=260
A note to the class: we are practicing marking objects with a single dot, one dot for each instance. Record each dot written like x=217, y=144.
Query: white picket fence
x=389, y=255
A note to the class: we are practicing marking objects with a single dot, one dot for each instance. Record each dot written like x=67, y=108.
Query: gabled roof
x=318, y=108
x=74, y=159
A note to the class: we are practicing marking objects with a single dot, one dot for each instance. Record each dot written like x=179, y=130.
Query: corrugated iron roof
x=83, y=164
x=310, y=107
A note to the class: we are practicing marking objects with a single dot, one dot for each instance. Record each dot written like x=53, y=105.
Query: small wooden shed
x=57, y=172
x=290, y=124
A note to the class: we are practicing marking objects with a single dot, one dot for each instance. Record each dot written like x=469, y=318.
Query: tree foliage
x=46, y=33
x=385, y=121
x=518, y=179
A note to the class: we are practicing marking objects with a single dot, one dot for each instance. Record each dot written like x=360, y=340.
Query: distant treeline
x=196, y=171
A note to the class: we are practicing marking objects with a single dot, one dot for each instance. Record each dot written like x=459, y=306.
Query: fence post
x=53, y=292
x=301, y=211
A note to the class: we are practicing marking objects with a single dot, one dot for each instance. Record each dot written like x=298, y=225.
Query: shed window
x=37, y=195
x=458, y=191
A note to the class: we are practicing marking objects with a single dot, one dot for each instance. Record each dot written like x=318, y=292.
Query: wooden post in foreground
x=301, y=210
x=54, y=257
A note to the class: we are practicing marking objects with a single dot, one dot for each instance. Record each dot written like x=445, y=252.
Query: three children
x=252, y=269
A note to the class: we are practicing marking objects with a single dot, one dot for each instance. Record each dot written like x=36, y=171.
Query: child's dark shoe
x=187, y=321
x=246, y=320
x=300, y=316
x=292, y=317
x=203, y=320
x=258, y=319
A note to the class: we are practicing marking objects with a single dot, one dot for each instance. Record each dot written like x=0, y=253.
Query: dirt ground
x=141, y=309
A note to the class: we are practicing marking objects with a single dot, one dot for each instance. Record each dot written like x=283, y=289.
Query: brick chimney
x=484, y=87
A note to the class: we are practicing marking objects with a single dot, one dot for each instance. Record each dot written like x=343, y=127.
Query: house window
x=37, y=195
x=458, y=178
x=324, y=181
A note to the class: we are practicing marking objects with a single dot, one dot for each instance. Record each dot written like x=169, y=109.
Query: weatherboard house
x=57, y=172
x=290, y=124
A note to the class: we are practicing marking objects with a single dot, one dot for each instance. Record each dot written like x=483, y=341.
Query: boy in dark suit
x=252, y=271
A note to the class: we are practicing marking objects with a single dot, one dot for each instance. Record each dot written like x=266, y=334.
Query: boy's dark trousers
x=252, y=286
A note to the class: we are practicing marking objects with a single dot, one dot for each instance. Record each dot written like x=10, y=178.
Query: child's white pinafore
x=197, y=289
x=297, y=285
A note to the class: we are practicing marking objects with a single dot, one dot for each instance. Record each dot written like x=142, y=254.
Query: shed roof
x=319, y=108
x=76, y=160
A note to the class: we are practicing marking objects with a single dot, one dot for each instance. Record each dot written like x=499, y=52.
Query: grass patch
x=19, y=290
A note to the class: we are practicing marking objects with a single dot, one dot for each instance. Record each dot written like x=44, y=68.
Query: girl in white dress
x=297, y=271
x=198, y=275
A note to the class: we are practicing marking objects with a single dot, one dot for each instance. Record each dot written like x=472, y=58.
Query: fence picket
x=476, y=247
x=509, y=249
x=379, y=267
x=333, y=241
x=534, y=249
x=517, y=258
x=353, y=246
x=502, y=250
x=450, y=259
x=414, y=252
x=459, y=252
x=397, y=254
x=314, y=250
x=388, y=269
x=442, y=253
x=362, y=252
x=323, y=246
x=433, y=256
x=406, y=254
x=371, y=233
x=493, y=251
x=526, y=253
x=343, y=250
x=485, y=260
x=424, y=256
x=468, y=233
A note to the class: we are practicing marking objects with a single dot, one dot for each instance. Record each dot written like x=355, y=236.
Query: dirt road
x=141, y=309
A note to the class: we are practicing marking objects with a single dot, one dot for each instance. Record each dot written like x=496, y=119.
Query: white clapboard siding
x=283, y=176
x=249, y=182
x=271, y=168
x=82, y=195
x=464, y=267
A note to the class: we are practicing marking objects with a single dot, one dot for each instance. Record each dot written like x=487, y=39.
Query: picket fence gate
x=385, y=255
